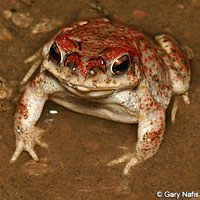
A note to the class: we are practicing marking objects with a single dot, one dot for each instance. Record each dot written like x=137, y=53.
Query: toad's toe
x=130, y=157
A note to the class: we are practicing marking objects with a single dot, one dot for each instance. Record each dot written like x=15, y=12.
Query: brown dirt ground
x=74, y=165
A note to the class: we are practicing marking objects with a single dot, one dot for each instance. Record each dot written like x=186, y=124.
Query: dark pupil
x=119, y=69
x=55, y=53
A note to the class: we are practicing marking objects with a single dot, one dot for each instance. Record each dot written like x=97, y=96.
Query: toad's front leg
x=150, y=133
x=28, y=112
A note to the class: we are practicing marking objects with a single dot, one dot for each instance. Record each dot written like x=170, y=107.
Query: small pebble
x=48, y=121
x=22, y=20
x=4, y=33
x=139, y=14
x=45, y=25
x=34, y=168
x=181, y=6
x=3, y=94
x=7, y=14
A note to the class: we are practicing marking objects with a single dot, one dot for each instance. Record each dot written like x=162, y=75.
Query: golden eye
x=54, y=53
x=121, y=65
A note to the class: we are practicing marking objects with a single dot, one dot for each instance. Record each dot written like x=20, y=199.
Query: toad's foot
x=150, y=133
x=26, y=142
x=132, y=162
x=36, y=59
x=175, y=105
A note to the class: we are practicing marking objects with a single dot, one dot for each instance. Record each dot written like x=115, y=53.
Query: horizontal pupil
x=123, y=66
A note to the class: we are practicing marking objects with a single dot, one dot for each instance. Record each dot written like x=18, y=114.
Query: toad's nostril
x=72, y=61
x=96, y=64
x=71, y=65
x=79, y=45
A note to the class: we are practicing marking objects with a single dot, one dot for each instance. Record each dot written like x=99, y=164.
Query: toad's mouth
x=88, y=92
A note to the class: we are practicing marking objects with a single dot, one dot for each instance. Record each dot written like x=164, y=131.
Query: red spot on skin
x=130, y=73
x=147, y=45
x=180, y=55
x=145, y=67
x=151, y=104
x=22, y=109
x=159, y=133
x=173, y=54
x=139, y=37
x=65, y=43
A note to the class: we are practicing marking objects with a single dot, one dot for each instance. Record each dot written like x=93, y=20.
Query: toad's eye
x=54, y=53
x=121, y=65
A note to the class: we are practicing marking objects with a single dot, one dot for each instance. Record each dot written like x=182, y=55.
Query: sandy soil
x=74, y=165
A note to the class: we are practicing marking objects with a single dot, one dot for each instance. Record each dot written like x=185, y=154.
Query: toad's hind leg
x=180, y=56
x=36, y=59
x=180, y=70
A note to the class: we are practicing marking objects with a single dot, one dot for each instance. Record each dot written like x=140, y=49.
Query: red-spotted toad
x=105, y=69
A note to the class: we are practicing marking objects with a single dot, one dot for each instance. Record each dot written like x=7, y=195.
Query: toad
x=108, y=70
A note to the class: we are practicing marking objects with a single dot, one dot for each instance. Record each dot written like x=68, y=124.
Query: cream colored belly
x=111, y=112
